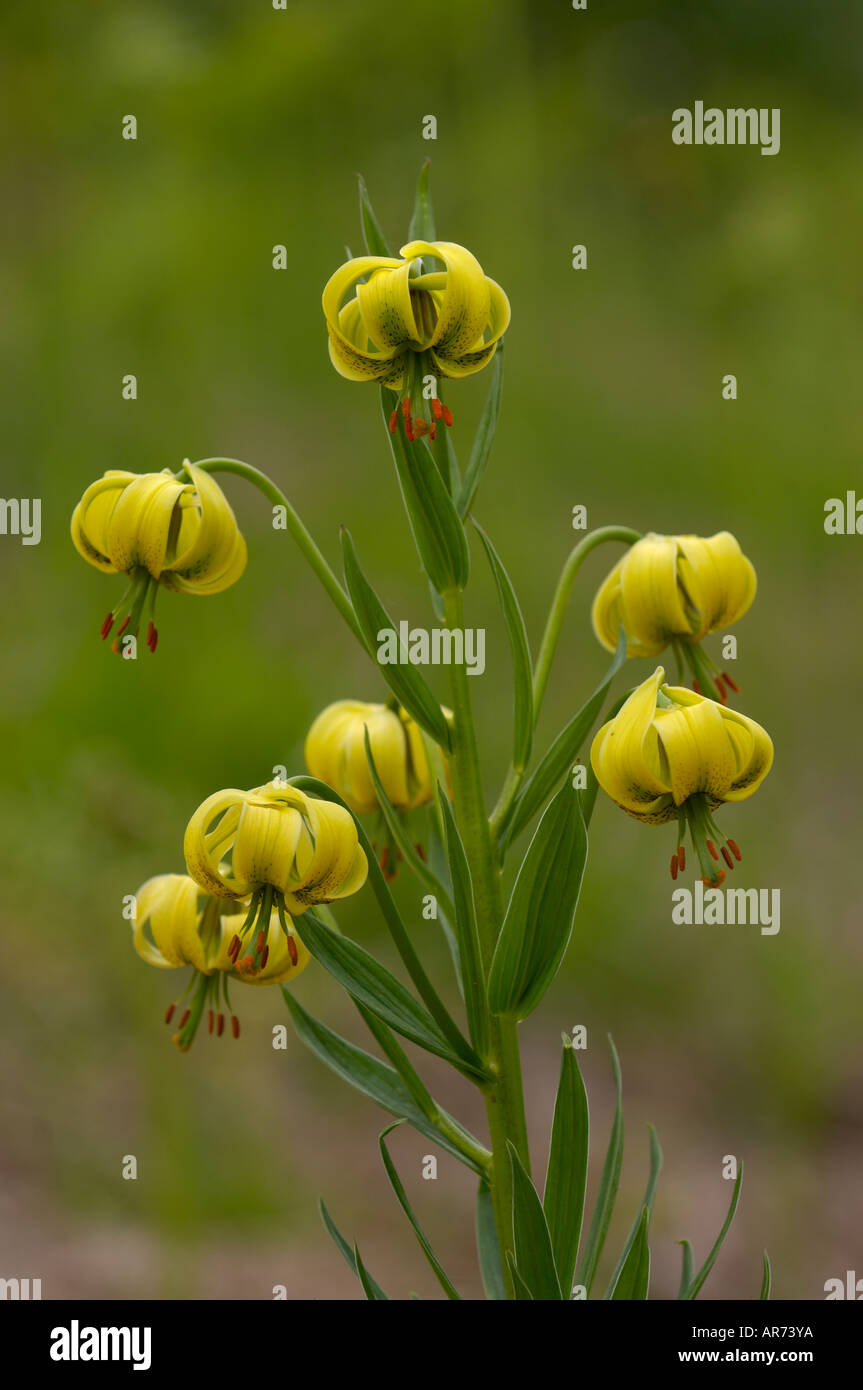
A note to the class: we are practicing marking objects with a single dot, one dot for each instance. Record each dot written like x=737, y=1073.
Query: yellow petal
x=719, y=579
x=385, y=305
x=350, y=355
x=209, y=836
x=465, y=306
x=216, y=554
x=168, y=905
x=625, y=756
x=651, y=603
x=92, y=516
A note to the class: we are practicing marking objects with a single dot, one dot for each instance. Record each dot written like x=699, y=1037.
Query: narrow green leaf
x=609, y=1183
x=437, y=528
x=634, y=1278
x=541, y=911
x=373, y=1292
x=369, y=982
x=396, y=826
x=685, y=1269
x=487, y=1245
x=367, y=1074
x=402, y=1198
x=438, y=860
x=534, y=1259
x=376, y=242
x=396, y=927
x=566, y=1176
x=422, y=225
x=698, y=1282
x=521, y=661
x=766, y=1278
x=649, y=1198
x=403, y=678
x=560, y=757
x=522, y=1292
x=391, y=1048
x=484, y=435
x=467, y=933
x=342, y=1246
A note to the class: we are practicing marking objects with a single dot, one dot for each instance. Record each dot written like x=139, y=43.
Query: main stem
x=504, y=1098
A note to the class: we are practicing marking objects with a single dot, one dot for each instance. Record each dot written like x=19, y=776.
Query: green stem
x=557, y=611
x=504, y=1096
x=297, y=529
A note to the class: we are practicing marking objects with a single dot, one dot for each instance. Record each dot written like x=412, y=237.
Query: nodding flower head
x=432, y=311
x=670, y=754
x=157, y=531
x=673, y=591
x=336, y=754
x=175, y=924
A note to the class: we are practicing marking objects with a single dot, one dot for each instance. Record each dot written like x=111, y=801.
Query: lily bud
x=670, y=754
x=176, y=925
x=158, y=532
x=336, y=754
x=405, y=321
x=674, y=590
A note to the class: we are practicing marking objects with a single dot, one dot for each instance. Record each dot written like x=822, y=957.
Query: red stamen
x=723, y=693
x=674, y=866
x=447, y=415
x=437, y=408
x=420, y=427
x=394, y=421
x=234, y=948
x=211, y=1019
x=385, y=858
x=184, y=1020
x=235, y=1025
x=728, y=681
x=106, y=626
x=124, y=624
x=154, y=640
x=421, y=854
x=735, y=851
x=681, y=855
x=220, y=1025
x=714, y=882
x=409, y=430
x=727, y=857
x=406, y=408
x=711, y=846
x=696, y=687
x=265, y=957
x=260, y=943
x=432, y=431
x=169, y=1012
x=292, y=950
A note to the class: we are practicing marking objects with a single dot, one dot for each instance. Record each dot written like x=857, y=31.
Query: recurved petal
x=719, y=578
x=753, y=751
x=695, y=747
x=605, y=613
x=92, y=516
x=385, y=305
x=209, y=837
x=348, y=337
x=625, y=755
x=140, y=523
x=652, y=606
x=215, y=555
x=168, y=905
x=464, y=309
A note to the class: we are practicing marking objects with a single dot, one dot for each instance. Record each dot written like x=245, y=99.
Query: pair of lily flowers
x=257, y=860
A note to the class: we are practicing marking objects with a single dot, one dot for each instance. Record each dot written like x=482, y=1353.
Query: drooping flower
x=158, y=531
x=336, y=754
x=276, y=848
x=175, y=925
x=670, y=754
x=673, y=591
x=403, y=322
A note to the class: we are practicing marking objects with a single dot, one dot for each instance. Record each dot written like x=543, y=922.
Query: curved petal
x=652, y=605
x=350, y=356
x=209, y=836
x=168, y=904
x=719, y=578
x=605, y=612
x=385, y=305
x=91, y=518
x=140, y=524
x=216, y=555
x=626, y=758
x=465, y=306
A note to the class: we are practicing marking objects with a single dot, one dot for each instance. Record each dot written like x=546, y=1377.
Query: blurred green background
x=154, y=258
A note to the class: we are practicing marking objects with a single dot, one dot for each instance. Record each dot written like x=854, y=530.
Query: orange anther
x=169, y=1012
x=734, y=850
x=681, y=855
x=711, y=846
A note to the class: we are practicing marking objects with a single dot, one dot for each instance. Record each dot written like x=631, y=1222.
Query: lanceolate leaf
x=436, y=525
x=541, y=911
x=561, y=755
x=686, y=1268
x=484, y=435
x=766, y=1278
x=342, y=1245
x=521, y=662
x=373, y=1291
x=376, y=242
x=649, y=1198
x=466, y=932
x=366, y=980
x=634, y=1277
x=402, y=1198
x=391, y=1048
x=422, y=226
x=534, y=1260
x=522, y=1292
x=367, y=1074
x=487, y=1245
x=566, y=1178
x=609, y=1183
x=403, y=678
x=698, y=1282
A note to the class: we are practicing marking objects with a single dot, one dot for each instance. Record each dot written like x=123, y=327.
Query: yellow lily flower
x=674, y=590
x=158, y=531
x=404, y=322
x=176, y=925
x=336, y=754
x=275, y=847
x=672, y=754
